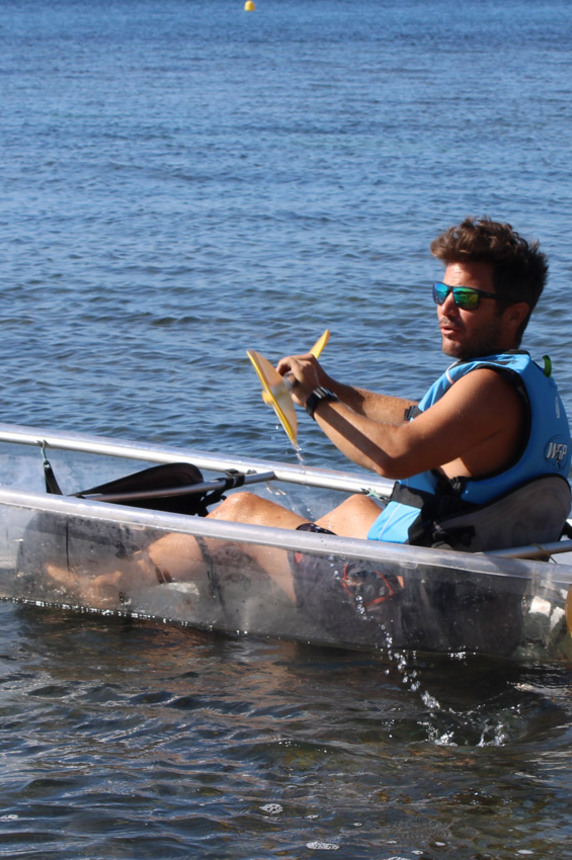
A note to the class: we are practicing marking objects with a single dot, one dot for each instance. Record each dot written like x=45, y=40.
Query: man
x=472, y=434
x=493, y=422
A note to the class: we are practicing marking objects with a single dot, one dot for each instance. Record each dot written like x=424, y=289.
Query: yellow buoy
x=249, y=6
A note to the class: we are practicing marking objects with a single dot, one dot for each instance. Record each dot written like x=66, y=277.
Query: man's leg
x=353, y=518
x=180, y=557
x=249, y=508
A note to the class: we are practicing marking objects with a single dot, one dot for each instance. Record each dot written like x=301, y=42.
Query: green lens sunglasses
x=466, y=298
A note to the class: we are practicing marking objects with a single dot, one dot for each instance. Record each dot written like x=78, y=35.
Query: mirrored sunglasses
x=466, y=298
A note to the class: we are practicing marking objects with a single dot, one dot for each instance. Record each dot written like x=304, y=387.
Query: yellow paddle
x=276, y=391
x=315, y=351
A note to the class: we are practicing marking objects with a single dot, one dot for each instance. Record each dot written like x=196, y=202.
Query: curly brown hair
x=519, y=268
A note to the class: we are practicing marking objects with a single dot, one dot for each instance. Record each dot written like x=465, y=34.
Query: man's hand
x=303, y=373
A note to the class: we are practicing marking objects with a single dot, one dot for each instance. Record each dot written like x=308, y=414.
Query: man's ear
x=517, y=313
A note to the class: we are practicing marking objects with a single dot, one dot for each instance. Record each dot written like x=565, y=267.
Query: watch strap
x=317, y=396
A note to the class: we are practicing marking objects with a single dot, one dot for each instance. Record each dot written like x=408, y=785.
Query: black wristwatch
x=317, y=395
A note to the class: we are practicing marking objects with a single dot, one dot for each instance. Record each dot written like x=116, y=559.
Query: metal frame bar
x=288, y=472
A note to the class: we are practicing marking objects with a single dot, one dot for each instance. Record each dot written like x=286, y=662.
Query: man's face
x=483, y=331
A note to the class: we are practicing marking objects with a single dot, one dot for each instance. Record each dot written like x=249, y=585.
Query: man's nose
x=449, y=305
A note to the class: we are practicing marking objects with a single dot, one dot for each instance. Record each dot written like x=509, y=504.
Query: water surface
x=182, y=181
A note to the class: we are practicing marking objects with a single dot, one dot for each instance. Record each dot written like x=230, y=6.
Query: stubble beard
x=483, y=343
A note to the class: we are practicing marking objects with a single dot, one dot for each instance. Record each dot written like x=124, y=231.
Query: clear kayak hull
x=64, y=551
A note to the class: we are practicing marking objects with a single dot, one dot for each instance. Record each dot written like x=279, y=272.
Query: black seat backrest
x=535, y=512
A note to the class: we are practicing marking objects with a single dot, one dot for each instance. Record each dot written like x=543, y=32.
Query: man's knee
x=237, y=508
x=247, y=507
x=354, y=502
x=353, y=517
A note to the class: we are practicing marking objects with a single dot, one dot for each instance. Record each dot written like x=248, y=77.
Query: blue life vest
x=417, y=503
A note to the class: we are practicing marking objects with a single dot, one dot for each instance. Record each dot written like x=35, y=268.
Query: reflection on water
x=126, y=734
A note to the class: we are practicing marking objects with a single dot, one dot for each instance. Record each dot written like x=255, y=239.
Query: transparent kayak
x=350, y=593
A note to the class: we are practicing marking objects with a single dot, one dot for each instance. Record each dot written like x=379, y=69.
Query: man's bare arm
x=378, y=407
x=474, y=429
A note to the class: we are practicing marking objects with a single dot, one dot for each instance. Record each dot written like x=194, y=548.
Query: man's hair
x=519, y=268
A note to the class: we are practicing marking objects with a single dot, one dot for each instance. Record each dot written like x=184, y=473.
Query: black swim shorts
x=352, y=600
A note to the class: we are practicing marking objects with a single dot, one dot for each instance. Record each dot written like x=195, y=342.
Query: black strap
x=411, y=412
x=52, y=485
x=446, y=499
x=214, y=582
x=233, y=479
x=433, y=507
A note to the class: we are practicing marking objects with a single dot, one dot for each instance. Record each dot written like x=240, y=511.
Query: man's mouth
x=449, y=328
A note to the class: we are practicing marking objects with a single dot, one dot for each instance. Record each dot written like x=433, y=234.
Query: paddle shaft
x=538, y=551
x=202, y=487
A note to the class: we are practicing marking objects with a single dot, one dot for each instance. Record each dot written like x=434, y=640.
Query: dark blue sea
x=181, y=181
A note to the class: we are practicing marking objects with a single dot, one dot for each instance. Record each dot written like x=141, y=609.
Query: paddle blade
x=320, y=344
x=315, y=351
x=276, y=393
x=275, y=390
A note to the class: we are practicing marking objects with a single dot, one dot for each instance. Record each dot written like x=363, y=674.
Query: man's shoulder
x=485, y=380
x=517, y=360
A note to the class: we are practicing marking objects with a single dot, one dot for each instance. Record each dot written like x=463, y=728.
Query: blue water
x=181, y=181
